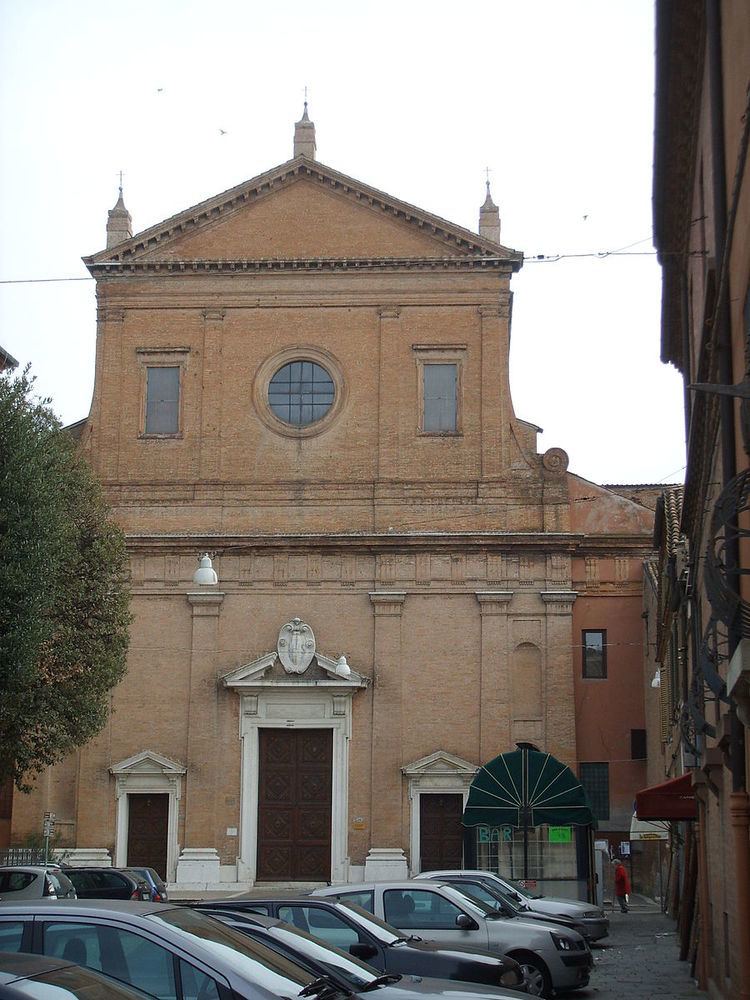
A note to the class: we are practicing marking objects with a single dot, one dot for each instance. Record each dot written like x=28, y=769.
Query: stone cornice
x=265, y=265
x=633, y=545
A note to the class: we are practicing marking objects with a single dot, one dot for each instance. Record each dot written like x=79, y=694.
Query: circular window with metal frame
x=301, y=393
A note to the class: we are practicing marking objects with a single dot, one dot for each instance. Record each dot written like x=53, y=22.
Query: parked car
x=150, y=945
x=592, y=918
x=156, y=883
x=108, y=883
x=558, y=959
x=178, y=952
x=347, y=972
x=350, y=928
x=495, y=897
x=34, y=882
x=31, y=977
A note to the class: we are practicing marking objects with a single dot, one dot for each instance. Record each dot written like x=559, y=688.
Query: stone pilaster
x=389, y=414
x=495, y=390
x=202, y=723
x=559, y=692
x=386, y=858
x=494, y=691
x=211, y=394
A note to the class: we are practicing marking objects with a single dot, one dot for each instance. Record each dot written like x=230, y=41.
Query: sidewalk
x=639, y=960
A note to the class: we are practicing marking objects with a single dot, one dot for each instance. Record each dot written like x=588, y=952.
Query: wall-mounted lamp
x=656, y=679
x=205, y=575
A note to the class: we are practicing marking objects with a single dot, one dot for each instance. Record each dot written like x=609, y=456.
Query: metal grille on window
x=440, y=411
x=301, y=393
x=163, y=400
x=595, y=779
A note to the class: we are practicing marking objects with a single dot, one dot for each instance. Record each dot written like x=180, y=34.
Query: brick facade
x=453, y=570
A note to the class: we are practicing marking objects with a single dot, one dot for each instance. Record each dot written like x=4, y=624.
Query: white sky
x=414, y=97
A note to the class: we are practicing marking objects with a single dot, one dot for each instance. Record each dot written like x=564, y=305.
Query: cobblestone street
x=640, y=960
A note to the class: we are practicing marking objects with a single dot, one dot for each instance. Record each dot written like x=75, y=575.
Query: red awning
x=673, y=799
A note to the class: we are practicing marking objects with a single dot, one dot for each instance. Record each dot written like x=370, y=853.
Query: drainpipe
x=739, y=804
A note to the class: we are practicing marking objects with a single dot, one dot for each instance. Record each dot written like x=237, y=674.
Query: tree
x=64, y=619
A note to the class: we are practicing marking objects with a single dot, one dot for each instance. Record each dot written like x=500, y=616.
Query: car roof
x=31, y=869
x=409, y=883
x=84, y=907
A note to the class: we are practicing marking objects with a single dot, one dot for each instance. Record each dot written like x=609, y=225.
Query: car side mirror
x=363, y=950
x=464, y=921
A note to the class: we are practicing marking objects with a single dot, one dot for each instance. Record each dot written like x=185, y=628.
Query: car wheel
x=536, y=975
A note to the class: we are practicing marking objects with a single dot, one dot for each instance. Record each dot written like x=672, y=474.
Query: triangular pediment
x=266, y=671
x=440, y=763
x=148, y=762
x=302, y=210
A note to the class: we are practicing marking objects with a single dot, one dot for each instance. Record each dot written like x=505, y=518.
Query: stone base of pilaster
x=386, y=864
x=199, y=868
x=84, y=857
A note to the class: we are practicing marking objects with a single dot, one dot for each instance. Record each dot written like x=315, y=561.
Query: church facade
x=354, y=577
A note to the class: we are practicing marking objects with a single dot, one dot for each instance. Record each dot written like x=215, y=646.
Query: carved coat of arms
x=296, y=646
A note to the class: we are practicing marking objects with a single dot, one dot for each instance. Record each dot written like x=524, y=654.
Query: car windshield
x=77, y=982
x=523, y=891
x=356, y=973
x=258, y=963
x=384, y=932
x=484, y=894
x=468, y=901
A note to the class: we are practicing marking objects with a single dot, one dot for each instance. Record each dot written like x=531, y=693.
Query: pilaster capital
x=389, y=312
x=205, y=604
x=217, y=315
x=561, y=601
x=493, y=602
x=489, y=312
x=387, y=602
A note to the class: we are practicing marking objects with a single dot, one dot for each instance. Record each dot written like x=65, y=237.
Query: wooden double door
x=441, y=835
x=148, y=823
x=294, y=805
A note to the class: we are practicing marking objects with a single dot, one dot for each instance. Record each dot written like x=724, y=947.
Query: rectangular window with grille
x=637, y=744
x=594, y=776
x=440, y=399
x=594, y=643
x=163, y=400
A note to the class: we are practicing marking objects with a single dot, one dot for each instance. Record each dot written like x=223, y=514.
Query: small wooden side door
x=147, y=831
x=440, y=831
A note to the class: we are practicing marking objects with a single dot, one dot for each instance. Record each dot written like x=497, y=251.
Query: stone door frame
x=148, y=773
x=273, y=710
x=269, y=698
x=440, y=772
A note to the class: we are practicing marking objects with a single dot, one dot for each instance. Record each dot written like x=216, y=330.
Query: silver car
x=553, y=958
x=173, y=951
x=34, y=882
x=593, y=919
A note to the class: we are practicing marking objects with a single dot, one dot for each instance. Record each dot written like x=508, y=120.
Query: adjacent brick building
x=308, y=379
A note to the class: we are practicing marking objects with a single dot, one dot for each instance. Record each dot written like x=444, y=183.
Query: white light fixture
x=656, y=680
x=205, y=575
x=342, y=667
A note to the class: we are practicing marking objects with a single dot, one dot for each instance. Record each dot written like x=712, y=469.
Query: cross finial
x=121, y=182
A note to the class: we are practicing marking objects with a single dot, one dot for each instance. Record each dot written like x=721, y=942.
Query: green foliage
x=63, y=593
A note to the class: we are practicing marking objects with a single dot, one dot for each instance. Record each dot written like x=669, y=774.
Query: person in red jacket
x=622, y=884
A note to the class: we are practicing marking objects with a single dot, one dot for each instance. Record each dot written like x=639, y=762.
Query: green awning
x=526, y=787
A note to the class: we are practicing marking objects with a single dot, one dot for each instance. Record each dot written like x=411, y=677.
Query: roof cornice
x=264, y=265
x=208, y=212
